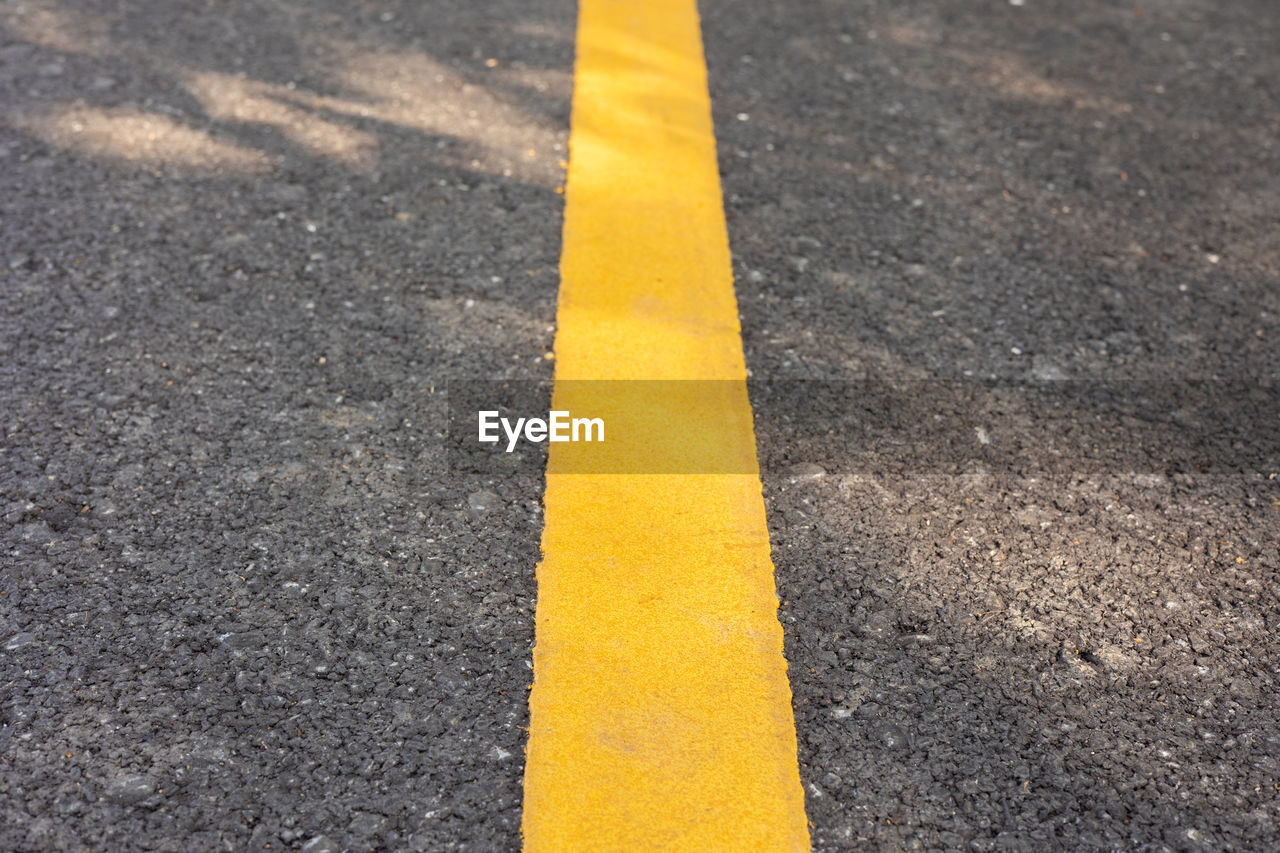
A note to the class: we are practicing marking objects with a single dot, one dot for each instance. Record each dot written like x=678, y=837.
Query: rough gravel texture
x=1038, y=612
x=245, y=248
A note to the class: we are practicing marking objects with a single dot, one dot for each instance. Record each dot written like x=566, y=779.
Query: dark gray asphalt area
x=1038, y=612
x=246, y=246
x=1029, y=569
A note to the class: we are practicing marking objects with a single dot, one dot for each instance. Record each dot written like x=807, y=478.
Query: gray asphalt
x=245, y=604
x=1009, y=284
x=1009, y=281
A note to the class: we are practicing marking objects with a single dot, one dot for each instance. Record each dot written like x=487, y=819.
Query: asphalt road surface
x=1010, y=290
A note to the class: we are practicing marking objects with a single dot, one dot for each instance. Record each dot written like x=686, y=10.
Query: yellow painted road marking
x=660, y=716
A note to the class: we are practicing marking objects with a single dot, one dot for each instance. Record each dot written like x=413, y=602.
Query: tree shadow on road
x=245, y=247
x=986, y=256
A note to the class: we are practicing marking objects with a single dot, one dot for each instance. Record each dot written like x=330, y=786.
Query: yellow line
x=660, y=716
